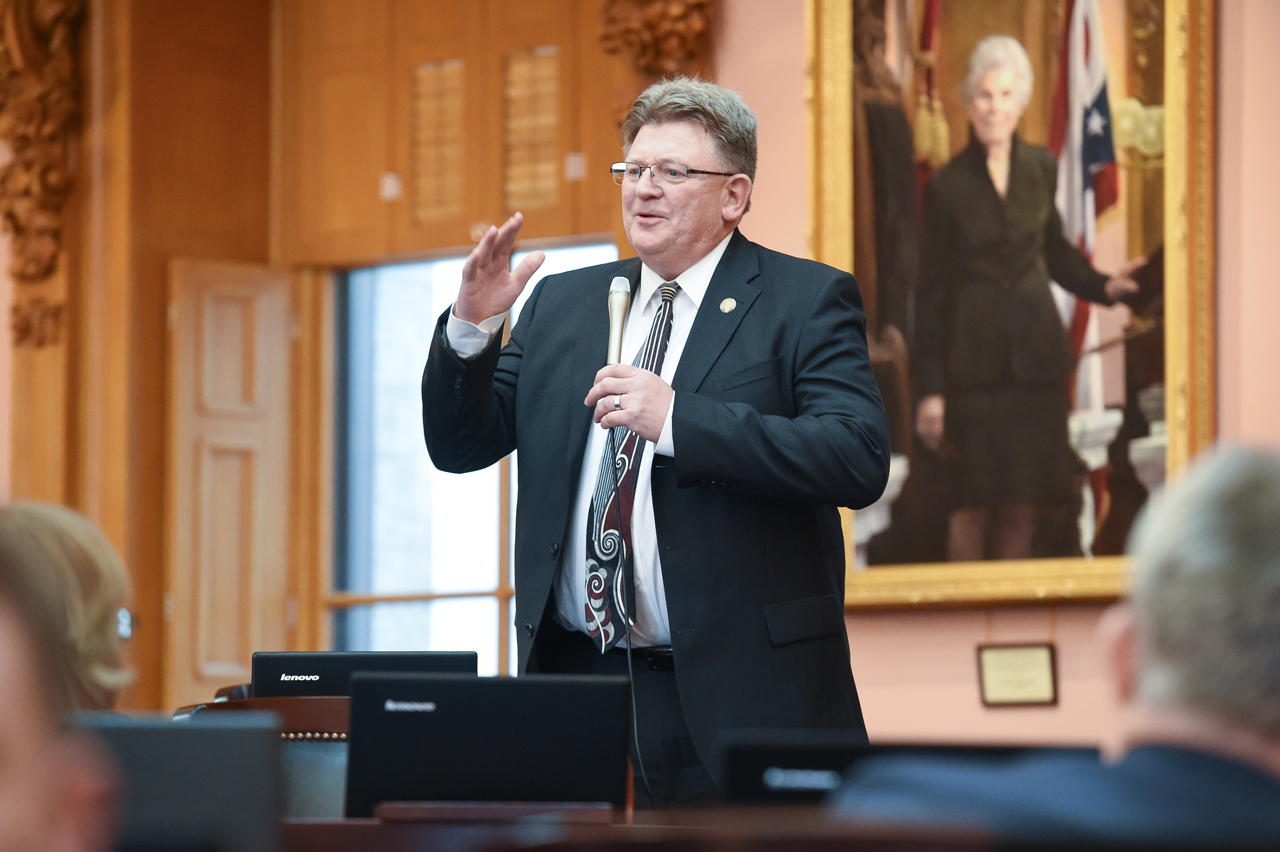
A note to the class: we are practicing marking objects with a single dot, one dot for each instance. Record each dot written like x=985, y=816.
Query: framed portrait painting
x=997, y=494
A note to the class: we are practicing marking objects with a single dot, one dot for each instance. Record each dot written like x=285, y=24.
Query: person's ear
x=1117, y=631
x=89, y=790
x=736, y=196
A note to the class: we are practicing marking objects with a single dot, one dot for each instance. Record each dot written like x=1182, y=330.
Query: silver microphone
x=619, y=302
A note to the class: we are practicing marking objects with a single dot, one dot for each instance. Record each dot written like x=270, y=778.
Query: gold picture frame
x=1189, y=295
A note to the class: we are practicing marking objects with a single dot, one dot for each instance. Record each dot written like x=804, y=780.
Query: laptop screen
x=282, y=673
x=210, y=783
x=441, y=738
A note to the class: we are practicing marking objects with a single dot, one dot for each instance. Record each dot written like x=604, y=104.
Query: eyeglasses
x=124, y=624
x=667, y=174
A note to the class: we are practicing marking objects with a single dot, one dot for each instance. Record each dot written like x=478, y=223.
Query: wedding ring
x=617, y=402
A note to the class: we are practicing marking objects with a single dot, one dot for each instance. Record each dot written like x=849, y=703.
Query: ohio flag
x=1087, y=182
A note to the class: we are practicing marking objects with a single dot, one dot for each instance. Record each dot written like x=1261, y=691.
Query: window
x=423, y=558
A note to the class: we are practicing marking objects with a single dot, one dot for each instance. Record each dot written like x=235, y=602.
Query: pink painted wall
x=917, y=671
x=1248, y=221
x=760, y=53
x=917, y=675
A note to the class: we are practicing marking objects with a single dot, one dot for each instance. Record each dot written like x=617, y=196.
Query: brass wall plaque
x=1017, y=675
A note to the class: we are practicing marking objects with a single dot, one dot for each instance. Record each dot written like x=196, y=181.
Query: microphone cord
x=611, y=449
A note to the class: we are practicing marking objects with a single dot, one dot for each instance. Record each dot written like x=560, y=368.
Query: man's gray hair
x=721, y=112
x=992, y=53
x=1206, y=593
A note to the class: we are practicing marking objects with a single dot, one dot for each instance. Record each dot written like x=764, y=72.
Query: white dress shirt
x=652, y=626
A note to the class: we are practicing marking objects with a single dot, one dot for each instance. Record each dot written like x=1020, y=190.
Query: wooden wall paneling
x=227, y=502
x=443, y=123
x=40, y=436
x=608, y=87
x=198, y=145
x=312, y=466
x=202, y=125
x=336, y=130
x=532, y=54
x=101, y=323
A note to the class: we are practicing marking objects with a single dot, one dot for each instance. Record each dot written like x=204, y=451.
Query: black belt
x=660, y=658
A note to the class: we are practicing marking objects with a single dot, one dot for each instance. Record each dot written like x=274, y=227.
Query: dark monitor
x=443, y=738
x=798, y=766
x=287, y=673
x=211, y=783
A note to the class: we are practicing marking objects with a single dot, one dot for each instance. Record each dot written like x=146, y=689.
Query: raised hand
x=489, y=285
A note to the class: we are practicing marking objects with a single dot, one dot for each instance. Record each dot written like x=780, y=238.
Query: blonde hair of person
x=84, y=585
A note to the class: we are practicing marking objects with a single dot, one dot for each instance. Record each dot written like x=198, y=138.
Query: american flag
x=1087, y=179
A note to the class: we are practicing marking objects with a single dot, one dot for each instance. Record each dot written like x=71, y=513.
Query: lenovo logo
x=299, y=677
x=777, y=778
x=393, y=706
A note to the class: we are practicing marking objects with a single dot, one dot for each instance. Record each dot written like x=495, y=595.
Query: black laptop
x=443, y=738
x=211, y=783
x=282, y=673
x=795, y=766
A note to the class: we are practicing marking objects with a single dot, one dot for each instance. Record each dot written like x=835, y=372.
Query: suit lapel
x=713, y=326
x=591, y=339
x=1018, y=167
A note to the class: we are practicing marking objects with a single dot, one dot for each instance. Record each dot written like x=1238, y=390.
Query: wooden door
x=227, y=475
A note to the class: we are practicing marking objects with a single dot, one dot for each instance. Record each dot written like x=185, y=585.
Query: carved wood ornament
x=39, y=114
x=660, y=38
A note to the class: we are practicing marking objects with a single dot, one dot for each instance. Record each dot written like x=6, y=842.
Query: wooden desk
x=769, y=829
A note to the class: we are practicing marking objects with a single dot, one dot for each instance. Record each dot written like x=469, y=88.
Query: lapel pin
x=727, y=305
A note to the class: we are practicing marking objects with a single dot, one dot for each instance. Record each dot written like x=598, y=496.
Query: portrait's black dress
x=988, y=333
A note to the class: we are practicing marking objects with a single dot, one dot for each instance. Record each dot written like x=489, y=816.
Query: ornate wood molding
x=976, y=583
x=36, y=322
x=659, y=38
x=39, y=116
x=829, y=26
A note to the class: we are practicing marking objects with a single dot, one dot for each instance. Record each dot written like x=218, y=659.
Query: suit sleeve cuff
x=665, y=445
x=467, y=339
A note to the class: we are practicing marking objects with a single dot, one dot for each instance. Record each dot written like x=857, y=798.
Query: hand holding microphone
x=624, y=395
x=619, y=303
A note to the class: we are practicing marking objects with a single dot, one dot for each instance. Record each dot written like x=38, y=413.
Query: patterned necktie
x=610, y=598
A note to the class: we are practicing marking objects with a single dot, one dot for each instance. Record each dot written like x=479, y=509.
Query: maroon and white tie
x=610, y=595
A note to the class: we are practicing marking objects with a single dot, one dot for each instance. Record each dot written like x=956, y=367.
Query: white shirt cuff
x=468, y=339
x=666, y=445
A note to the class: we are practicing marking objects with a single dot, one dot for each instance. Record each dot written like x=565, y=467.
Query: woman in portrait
x=991, y=352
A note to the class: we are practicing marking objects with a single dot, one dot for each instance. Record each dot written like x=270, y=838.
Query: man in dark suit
x=758, y=415
x=1196, y=661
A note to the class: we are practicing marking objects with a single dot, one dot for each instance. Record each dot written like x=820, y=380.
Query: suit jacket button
x=528, y=630
x=555, y=548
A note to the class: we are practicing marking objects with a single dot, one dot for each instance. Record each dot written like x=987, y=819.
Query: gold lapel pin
x=727, y=305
